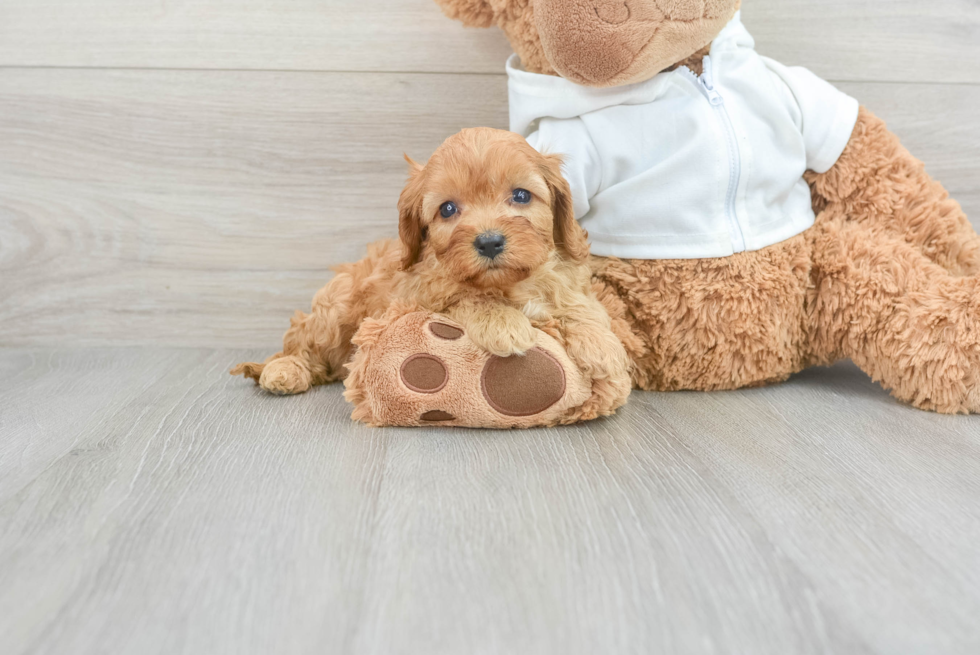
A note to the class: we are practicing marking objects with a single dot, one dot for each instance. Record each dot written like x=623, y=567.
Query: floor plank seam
x=325, y=71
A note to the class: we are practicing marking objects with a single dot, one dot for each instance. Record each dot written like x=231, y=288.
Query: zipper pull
x=708, y=83
x=706, y=77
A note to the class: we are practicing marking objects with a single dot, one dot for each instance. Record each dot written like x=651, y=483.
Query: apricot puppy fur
x=488, y=238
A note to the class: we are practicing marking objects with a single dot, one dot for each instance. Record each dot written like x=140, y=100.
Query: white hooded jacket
x=686, y=167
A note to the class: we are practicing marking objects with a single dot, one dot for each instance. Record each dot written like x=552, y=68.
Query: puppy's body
x=488, y=239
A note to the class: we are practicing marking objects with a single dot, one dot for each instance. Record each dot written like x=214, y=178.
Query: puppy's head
x=490, y=208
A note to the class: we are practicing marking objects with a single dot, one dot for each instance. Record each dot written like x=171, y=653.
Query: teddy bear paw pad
x=422, y=369
x=444, y=331
x=424, y=374
x=523, y=386
x=437, y=416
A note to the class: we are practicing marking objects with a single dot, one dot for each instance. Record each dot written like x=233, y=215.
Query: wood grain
x=142, y=207
x=895, y=41
x=202, y=208
x=185, y=511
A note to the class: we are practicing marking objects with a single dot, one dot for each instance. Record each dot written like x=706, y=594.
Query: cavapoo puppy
x=488, y=241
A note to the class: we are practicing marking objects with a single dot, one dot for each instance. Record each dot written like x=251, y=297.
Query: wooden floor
x=151, y=504
x=175, y=179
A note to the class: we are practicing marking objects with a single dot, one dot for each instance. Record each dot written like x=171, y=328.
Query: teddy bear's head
x=600, y=43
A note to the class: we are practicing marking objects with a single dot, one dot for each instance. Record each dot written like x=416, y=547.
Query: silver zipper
x=717, y=101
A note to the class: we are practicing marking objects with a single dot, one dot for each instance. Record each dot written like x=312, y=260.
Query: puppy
x=488, y=238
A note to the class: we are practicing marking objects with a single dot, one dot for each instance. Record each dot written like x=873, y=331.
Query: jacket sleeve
x=570, y=139
x=827, y=115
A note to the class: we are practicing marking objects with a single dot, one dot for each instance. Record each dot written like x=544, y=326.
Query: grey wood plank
x=897, y=41
x=199, y=518
x=331, y=35
x=869, y=40
x=52, y=401
x=202, y=208
x=608, y=538
x=817, y=516
x=136, y=198
x=830, y=457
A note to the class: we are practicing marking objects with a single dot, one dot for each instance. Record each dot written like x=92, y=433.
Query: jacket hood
x=534, y=96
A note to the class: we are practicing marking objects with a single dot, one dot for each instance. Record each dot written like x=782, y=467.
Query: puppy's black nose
x=490, y=244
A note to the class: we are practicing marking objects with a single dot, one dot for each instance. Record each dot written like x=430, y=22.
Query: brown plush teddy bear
x=747, y=220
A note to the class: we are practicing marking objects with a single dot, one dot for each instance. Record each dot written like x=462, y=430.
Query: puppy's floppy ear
x=569, y=235
x=410, y=214
x=472, y=13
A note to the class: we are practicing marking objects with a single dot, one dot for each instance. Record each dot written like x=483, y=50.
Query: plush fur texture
x=540, y=282
x=887, y=276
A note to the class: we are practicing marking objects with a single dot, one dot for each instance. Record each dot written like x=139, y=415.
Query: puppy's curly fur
x=541, y=277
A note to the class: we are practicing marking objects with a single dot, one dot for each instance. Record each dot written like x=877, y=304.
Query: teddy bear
x=747, y=220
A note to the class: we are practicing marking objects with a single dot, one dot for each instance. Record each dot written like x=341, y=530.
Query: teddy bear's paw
x=443, y=378
x=515, y=386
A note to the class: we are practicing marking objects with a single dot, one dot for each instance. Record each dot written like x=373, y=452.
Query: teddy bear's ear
x=472, y=13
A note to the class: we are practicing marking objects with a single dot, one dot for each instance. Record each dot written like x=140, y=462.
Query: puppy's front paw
x=503, y=337
x=285, y=376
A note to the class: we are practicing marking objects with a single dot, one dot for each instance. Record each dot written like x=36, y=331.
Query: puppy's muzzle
x=490, y=244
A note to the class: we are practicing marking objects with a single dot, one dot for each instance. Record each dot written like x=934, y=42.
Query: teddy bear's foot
x=414, y=368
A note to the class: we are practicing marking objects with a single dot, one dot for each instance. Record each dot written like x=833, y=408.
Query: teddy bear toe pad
x=445, y=331
x=437, y=416
x=424, y=374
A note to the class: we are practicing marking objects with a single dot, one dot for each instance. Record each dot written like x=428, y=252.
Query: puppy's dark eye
x=448, y=209
x=522, y=196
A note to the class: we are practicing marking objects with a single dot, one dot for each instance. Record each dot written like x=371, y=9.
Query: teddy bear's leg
x=878, y=182
x=709, y=324
x=902, y=318
x=415, y=368
x=317, y=345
